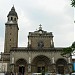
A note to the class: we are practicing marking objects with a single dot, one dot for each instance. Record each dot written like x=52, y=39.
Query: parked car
x=64, y=74
x=36, y=73
x=48, y=73
x=73, y=73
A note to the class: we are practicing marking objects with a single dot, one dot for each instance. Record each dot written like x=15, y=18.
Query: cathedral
x=40, y=55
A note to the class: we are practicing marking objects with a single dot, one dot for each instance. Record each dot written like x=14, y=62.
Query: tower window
x=14, y=19
x=11, y=18
x=10, y=39
x=10, y=33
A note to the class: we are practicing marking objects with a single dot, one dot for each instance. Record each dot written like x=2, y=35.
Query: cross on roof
x=40, y=28
x=40, y=25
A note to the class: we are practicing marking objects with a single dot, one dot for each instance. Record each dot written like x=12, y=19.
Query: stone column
x=12, y=68
x=54, y=67
x=69, y=60
x=53, y=60
x=70, y=67
x=29, y=66
x=29, y=69
x=12, y=64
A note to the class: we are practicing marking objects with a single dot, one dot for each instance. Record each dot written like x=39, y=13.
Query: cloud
x=24, y=27
x=55, y=16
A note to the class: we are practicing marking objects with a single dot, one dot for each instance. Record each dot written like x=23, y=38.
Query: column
x=53, y=60
x=53, y=66
x=29, y=65
x=12, y=64
x=69, y=60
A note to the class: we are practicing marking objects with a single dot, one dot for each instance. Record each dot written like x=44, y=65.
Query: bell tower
x=11, y=31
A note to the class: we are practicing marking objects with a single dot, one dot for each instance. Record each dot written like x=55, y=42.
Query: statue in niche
x=40, y=44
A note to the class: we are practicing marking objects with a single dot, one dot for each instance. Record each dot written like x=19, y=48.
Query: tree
x=68, y=50
x=73, y=3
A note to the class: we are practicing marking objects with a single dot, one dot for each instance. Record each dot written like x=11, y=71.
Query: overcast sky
x=56, y=16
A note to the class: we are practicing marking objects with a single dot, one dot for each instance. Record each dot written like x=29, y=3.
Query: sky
x=55, y=16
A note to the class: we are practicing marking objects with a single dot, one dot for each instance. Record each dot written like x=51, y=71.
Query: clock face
x=40, y=32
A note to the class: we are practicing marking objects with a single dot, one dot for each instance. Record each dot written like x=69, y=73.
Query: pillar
x=29, y=69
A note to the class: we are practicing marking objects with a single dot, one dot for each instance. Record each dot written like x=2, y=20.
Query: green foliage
x=68, y=50
x=73, y=3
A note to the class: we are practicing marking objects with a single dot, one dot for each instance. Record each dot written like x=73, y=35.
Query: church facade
x=40, y=56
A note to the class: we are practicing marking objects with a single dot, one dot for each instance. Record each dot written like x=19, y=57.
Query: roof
x=41, y=32
x=35, y=49
x=12, y=12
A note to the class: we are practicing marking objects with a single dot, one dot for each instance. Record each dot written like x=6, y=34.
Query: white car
x=48, y=73
x=72, y=73
x=64, y=74
x=36, y=73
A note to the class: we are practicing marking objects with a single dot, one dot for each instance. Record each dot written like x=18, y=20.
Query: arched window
x=14, y=19
x=11, y=18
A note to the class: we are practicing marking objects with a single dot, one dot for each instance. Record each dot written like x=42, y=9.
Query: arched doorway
x=40, y=64
x=21, y=65
x=61, y=66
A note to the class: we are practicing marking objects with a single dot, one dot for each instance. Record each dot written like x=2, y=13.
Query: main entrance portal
x=41, y=64
x=41, y=69
x=22, y=70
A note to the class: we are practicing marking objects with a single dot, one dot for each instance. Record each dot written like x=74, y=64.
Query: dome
x=12, y=12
